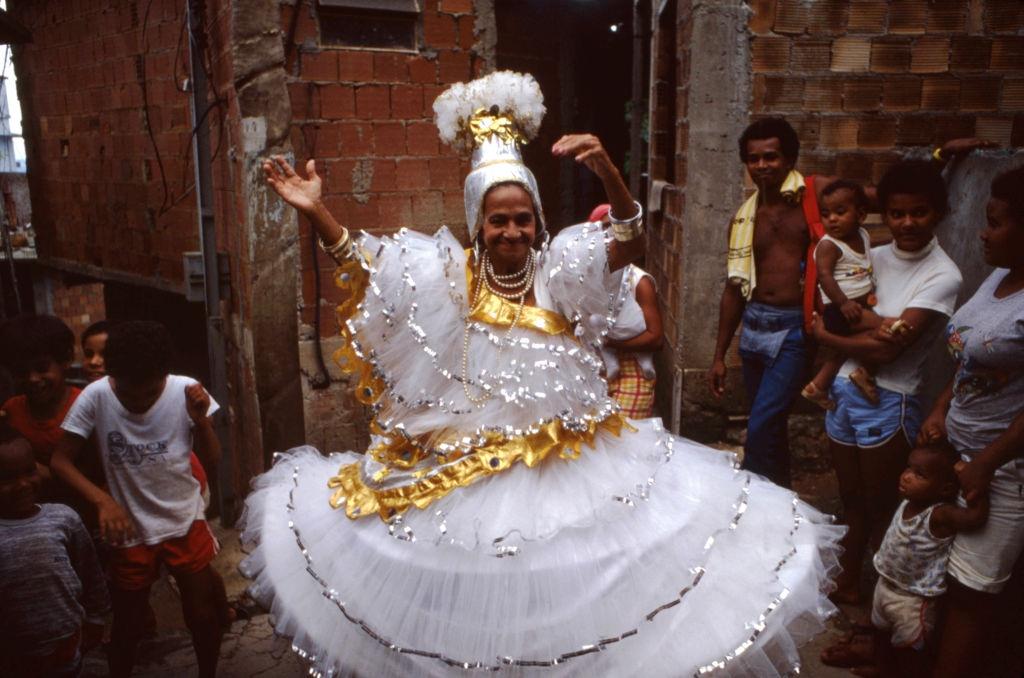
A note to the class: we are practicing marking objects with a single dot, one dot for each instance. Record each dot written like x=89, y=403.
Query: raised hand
x=586, y=149
x=302, y=194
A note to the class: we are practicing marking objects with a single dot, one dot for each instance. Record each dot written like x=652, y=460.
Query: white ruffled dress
x=638, y=553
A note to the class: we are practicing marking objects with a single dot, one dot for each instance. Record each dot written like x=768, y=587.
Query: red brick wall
x=99, y=189
x=862, y=80
x=668, y=135
x=78, y=306
x=367, y=118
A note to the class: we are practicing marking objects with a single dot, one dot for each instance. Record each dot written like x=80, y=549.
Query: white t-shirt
x=926, y=279
x=145, y=456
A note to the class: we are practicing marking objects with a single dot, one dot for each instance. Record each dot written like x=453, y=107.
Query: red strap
x=815, y=230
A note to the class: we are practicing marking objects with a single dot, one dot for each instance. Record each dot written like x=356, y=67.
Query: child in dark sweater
x=52, y=590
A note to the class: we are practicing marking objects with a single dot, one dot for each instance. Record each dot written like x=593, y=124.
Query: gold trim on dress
x=400, y=458
x=495, y=455
x=493, y=310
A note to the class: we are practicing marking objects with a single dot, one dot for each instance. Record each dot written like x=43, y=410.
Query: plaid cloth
x=633, y=391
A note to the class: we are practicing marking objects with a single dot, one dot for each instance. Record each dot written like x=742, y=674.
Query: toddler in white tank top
x=911, y=562
x=843, y=259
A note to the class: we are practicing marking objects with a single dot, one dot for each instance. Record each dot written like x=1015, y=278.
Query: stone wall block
x=947, y=16
x=908, y=17
x=823, y=94
x=1004, y=16
x=762, y=16
x=970, y=53
x=1007, y=53
x=997, y=130
x=839, y=132
x=876, y=133
x=862, y=95
x=784, y=93
x=979, y=94
x=810, y=54
x=868, y=16
x=930, y=54
x=851, y=54
x=890, y=55
x=770, y=54
x=828, y=17
x=1013, y=95
x=791, y=16
x=901, y=94
x=940, y=94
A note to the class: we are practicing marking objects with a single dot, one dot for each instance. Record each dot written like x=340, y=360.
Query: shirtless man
x=772, y=344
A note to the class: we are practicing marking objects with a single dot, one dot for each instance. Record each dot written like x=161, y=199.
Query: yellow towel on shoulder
x=740, y=264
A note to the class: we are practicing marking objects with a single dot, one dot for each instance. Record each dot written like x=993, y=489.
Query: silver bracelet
x=636, y=217
x=339, y=251
x=629, y=230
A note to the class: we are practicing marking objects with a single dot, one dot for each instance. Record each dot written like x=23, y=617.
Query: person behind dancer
x=770, y=274
x=39, y=352
x=628, y=350
x=768, y=249
x=843, y=258
x=146, y=421
x=981, y=412
x=502, y=481
x=52, y=591
x=916, y=283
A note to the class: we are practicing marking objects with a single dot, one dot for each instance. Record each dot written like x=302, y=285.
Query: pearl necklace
x=523, y=284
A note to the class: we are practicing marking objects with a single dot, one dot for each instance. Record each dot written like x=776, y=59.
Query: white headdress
x=492, y=115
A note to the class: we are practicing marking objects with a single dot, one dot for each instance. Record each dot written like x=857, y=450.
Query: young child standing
x=146, y=422
x=94, y=348
x=843, y=258
x=41, y=348
x=52, y=591
x=911, y=561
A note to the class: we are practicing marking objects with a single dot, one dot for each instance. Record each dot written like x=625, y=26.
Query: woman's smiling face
x=510, y=225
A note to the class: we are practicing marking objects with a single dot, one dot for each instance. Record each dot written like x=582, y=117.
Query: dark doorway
x=581, y=53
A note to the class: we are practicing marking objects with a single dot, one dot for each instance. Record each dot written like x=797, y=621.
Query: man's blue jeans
x=772, y=384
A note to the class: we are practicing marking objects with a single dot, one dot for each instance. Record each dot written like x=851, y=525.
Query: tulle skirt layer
x=649, y=555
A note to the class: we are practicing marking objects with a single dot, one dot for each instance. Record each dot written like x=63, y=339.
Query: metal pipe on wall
x=216, y=353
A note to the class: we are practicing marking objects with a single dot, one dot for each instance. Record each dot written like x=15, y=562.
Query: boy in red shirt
x=39, y=352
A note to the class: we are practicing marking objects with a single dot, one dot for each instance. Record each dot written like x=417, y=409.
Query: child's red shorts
x=138, y=567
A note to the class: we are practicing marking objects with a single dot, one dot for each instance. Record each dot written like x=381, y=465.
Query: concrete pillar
x=717, y=112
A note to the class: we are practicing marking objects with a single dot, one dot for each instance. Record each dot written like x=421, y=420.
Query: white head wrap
x=492, y=115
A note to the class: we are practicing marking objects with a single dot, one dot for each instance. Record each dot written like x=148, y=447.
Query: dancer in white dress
x=506, y=517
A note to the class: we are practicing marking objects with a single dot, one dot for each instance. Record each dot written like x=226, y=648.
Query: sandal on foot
x=812, y=393
x=866, y=384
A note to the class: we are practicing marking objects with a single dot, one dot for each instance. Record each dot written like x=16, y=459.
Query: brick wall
x=107, y=133
x=78, y=305
x=862, y=80
x=367, y=118
x=670, y=77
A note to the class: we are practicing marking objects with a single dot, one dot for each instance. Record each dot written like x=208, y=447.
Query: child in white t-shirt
x=146, y=422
